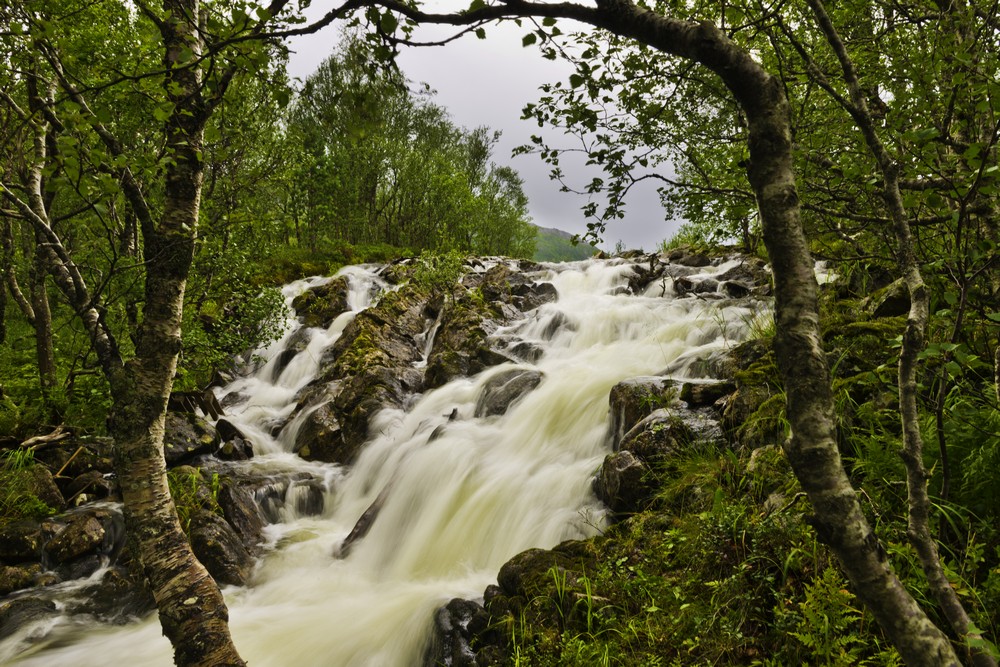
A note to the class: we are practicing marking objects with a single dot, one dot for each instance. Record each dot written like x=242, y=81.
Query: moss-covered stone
x=320, y=305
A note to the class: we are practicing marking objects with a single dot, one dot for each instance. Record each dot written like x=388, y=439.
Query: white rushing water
x=456, y=505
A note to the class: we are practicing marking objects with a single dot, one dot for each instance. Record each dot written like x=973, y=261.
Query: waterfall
x=457, y=495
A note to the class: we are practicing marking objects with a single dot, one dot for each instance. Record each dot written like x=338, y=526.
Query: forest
x=162, y=177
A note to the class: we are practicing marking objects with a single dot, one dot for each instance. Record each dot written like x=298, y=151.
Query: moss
x=19, y=490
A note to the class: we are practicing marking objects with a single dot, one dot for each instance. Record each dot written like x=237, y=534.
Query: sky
x=487, y=82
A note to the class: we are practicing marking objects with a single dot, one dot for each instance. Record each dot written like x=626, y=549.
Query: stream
x=462, y=494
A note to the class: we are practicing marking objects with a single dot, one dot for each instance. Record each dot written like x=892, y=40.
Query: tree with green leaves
x=750, y=111
x=382, y=163
x=113, y=107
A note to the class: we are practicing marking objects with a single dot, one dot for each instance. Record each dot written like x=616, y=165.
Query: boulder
x=220, y=549
x=701, y=394
x=21, y=542
x=16, y=577
x=236, y=449
x=20, y=611
x=623, y=483
x=242, y=512
x=688, y=285
x=320, y=305
x=688, y=257
x=78, y=457
x=235, y=445
x=505, y=388
x=462, y=346
x=319, y=437
x=41, y=485
x=120, y=596
x=891, y=301
x=92, y=485
x=457, y=626
x=633, y=399
x=83, y=534
x=656, y=436
x=188, y=436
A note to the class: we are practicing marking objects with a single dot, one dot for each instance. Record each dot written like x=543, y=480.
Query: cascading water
x=457, y=495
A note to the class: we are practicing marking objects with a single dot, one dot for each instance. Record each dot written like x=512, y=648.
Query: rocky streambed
x=411, y=432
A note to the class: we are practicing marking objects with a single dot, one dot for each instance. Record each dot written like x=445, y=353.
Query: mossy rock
x=530, y=581
x=630, y=401
x=320, y=305
x=188, y=436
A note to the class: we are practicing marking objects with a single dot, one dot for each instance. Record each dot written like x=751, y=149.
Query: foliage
x=192, y=491
x=16, y=498
x=379, y=163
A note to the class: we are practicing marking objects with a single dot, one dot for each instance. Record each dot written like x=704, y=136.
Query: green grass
x=16, y=498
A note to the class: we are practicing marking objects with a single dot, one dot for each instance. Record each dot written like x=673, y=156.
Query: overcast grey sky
x=487, y=82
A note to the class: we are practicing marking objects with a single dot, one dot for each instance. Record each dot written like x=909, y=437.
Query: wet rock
x=462, y=346
x=503, y=389
x=319, y=437
x=457, y=625
x=76, y=458
x=233, y=398
x=687, y=285
x=188, y=436
x=688, y=257
x=526, y=351
x=529, y=296
x=734, y=289
x=644, y=274
x=308, y=496
x=527, y=574
x=16, y=577
x=702, y=394
x=83, y=534
x=623, y=482
x=371, y=367
x=363, y=524
x=633, y=399
x=751, y=272
x=93, y=485
x=320, y=305
x=119, y=597
x=20, y=611
x=21, y=542
x=81, y=567
x=701, y=363
x=235, y=445
x=220, y=549
x=236, y=449
x=242, y=513
x=656, y=436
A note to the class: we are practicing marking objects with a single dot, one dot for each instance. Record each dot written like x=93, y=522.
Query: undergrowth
x=17, y=499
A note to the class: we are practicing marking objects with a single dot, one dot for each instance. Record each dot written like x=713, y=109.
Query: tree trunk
x=42, y=324
x=191, y=607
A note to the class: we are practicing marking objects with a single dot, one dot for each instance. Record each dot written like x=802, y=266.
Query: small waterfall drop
x=453, y=495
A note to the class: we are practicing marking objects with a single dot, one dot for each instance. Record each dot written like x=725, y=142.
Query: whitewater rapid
x=462, y=495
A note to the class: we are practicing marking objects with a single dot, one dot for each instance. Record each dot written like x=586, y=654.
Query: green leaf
x=481, y=33
x=388, y=23
x=529, y=39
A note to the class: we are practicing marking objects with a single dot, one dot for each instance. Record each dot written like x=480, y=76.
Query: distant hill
x=554, y=245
